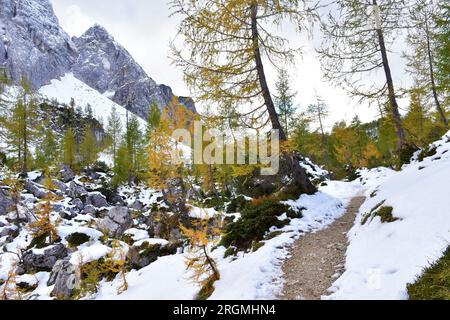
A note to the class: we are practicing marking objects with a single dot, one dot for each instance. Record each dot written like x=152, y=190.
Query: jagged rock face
x=106, y=66
x=103, y=64
x=32, y=42
x=5, y=202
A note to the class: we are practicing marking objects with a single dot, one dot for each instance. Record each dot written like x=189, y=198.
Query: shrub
x=257, y=245
x=236, y=204
x=90, y=277
x=216, y=202
x=385, y=213
x=231, y=251
x=109, y=190
x=406, y=153
x=434, y=283
x=76, y=239
x=256, y=219
x=369, y=214
x=110, y=267
x=353, y=174
x=427, y=152
x=100, y=166
x=274, y=234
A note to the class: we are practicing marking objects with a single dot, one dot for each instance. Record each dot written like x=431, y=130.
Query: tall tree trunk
x=25, y=139
x=299, y=176
x=433, y=82
x=262, y=76
x=390, y=82
x=324, y=141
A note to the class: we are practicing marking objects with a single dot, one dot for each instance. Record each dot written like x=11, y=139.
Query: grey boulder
x=65, y=278
x=35, y=190
x=116, y=221
x=43, y=262
x=5, y=202
x=76, y=190
x=96, y=200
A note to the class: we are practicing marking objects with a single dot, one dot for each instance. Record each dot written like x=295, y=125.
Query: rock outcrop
x=32, y=41
x=5, y=201
x=116, y=221
x=33, y=260
x=106, y=66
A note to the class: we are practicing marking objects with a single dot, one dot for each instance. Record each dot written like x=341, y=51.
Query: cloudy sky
x=144, y=28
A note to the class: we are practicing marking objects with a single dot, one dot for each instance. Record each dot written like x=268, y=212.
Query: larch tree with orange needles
x=226, y=47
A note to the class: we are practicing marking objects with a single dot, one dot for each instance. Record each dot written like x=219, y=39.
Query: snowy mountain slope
x=383, y=257
x=69, y=87
x=106, y=66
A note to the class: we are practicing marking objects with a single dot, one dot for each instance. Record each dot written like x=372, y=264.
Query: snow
x=137, y=234
x=68, y=87
x=165, y=279
x=313, y=169
x=41, y=251
x=64, y=231
x=88, y=254
x=33, y=175
x=383, y=258
x=203, y=213
x=43, y=291
x=254, y=275
x=29, y=279
x=151, y=241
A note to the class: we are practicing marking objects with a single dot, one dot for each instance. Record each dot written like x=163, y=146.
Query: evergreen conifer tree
x=88, y=147
x=70, y=149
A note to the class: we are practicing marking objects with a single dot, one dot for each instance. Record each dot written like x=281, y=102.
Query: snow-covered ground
x=383, y=257
x=255, y=275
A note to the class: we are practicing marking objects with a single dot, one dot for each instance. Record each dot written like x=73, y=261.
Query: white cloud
x=74, y=21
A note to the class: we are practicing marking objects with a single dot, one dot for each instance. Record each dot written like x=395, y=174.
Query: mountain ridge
x=33, y=43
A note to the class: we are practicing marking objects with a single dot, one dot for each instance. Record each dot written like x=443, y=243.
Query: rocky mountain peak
x=102, y=63
x=97, y=32
x=33, y=43
x=108, y=67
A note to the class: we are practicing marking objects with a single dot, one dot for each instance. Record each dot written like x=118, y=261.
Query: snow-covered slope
x=69, y=87
x=253, y=275
x=383, y=257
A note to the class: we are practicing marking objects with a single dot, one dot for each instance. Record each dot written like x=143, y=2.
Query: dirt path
x=318, y=258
